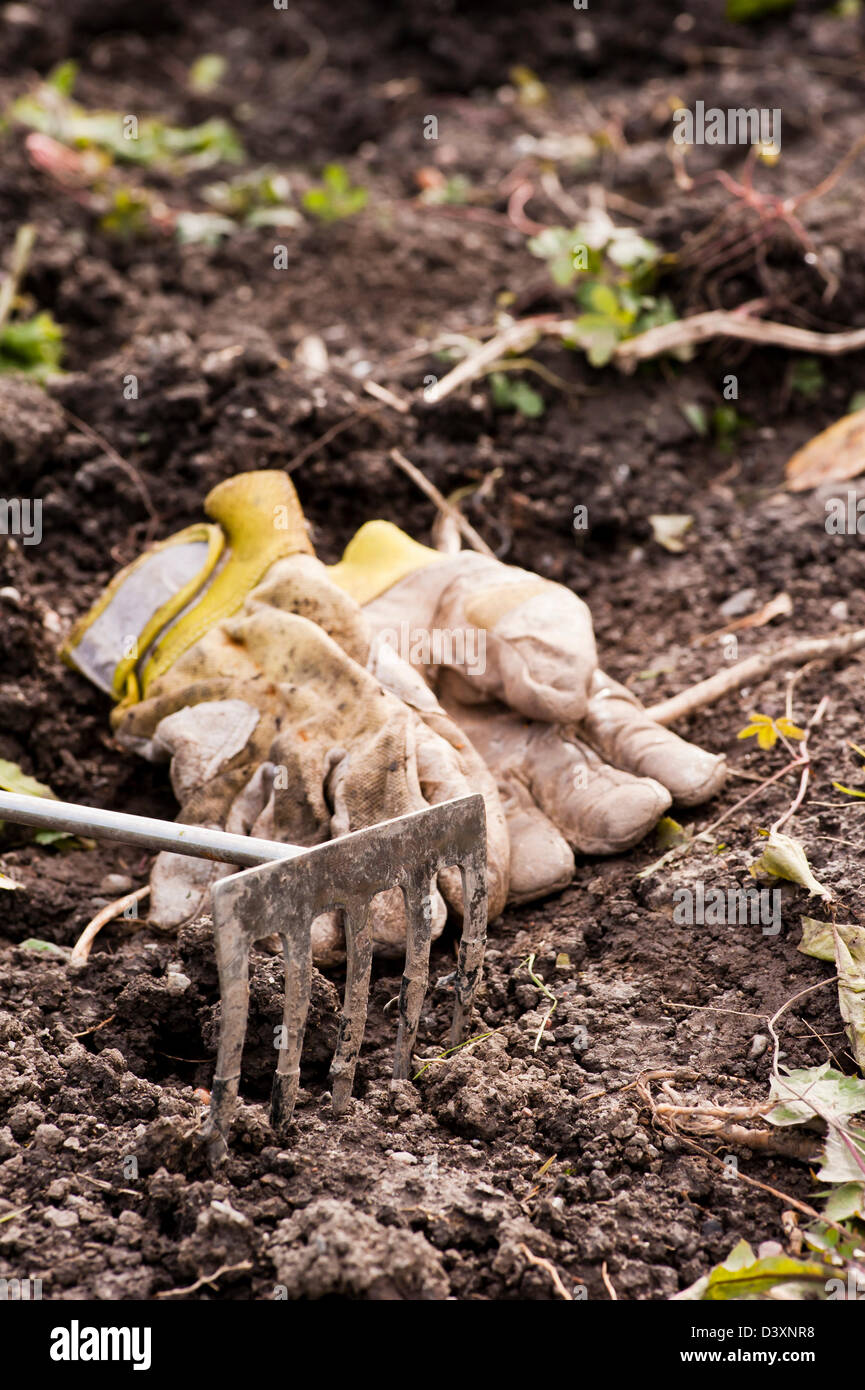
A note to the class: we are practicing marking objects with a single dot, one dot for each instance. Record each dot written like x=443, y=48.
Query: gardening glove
x=233, y=654
x=579, y=764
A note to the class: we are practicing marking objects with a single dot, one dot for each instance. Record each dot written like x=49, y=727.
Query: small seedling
x=336, y=197
x=806, y=378
x=613, y=270
x=767, y=731
x=510, y=393
x=126, y=137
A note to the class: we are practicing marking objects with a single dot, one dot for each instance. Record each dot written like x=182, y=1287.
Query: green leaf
x=510, y=393
x=784, y=857
x=669, y=833
x=598, y=337
x=742, y=1276
x=207, y=72
x=62, y=78
x=696, y=417
x=743, y=11
x=850, y=791
x=13, y=779
x=32, y=346
x=601, y=299
x=845, y=1202
x=806, y=377
x=44, y=948
x=336, y=198
x=805, y=1091
x=844, y=1156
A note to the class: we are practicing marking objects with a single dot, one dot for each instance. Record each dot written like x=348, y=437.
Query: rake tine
x=417, y=893
x=358, y=946
x=297, y=957
x=231, y=944
x=472, y=942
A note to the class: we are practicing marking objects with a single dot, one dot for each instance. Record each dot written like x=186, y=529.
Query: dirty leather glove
x=511, y=656
x=252, y=667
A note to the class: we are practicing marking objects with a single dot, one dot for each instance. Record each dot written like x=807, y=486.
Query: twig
x=536, y=980
x=721, y=323
x=805, y=757
x=705, y=836
x=381, y=393
x=753, y=668
x=95, y=1029
x=117, y=459
x=206, y=1279
x=465, y=528
x=550, y=1269
x=23, y=245
x=517, y=337
x=82, y=947
x=608, y=1283
x=363, y=413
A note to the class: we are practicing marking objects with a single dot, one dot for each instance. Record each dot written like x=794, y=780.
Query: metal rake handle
x=149, y=833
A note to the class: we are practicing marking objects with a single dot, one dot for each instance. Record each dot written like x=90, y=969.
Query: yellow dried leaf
x=833, y=456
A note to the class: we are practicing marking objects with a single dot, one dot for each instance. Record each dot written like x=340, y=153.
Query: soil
x=533, y=1145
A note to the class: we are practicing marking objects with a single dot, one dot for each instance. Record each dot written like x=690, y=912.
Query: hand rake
x=282, y=889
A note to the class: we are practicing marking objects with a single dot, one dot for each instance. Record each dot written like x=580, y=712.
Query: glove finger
x=541, y=860
x=179, y=887
x=501, y=632
x=597, y=808
x=618, y=728
x=448, y=766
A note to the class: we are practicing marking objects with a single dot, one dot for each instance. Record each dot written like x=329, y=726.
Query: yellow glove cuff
x=377, y=557
x=263, y=521
x=124, y=644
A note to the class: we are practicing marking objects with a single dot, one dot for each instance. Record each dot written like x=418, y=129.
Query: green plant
x=258, y=198
x=51, y=111
x=33, y=346
x=806, y=378
x=336, y=197
x=613, y=270
x=128, y=215
x=510, y=393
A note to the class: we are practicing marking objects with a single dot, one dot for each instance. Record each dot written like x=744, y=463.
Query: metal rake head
x=283, y=889
x=346, y=874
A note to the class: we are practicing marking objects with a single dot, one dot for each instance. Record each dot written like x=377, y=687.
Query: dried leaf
x=785, y=857
x=668, y=529
x=833, y=456
x=781, y=606
x=817, y=939
x=850, y=963
x=10, y=883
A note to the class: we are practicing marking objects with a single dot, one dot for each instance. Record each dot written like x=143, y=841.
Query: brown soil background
x=439, y=1189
